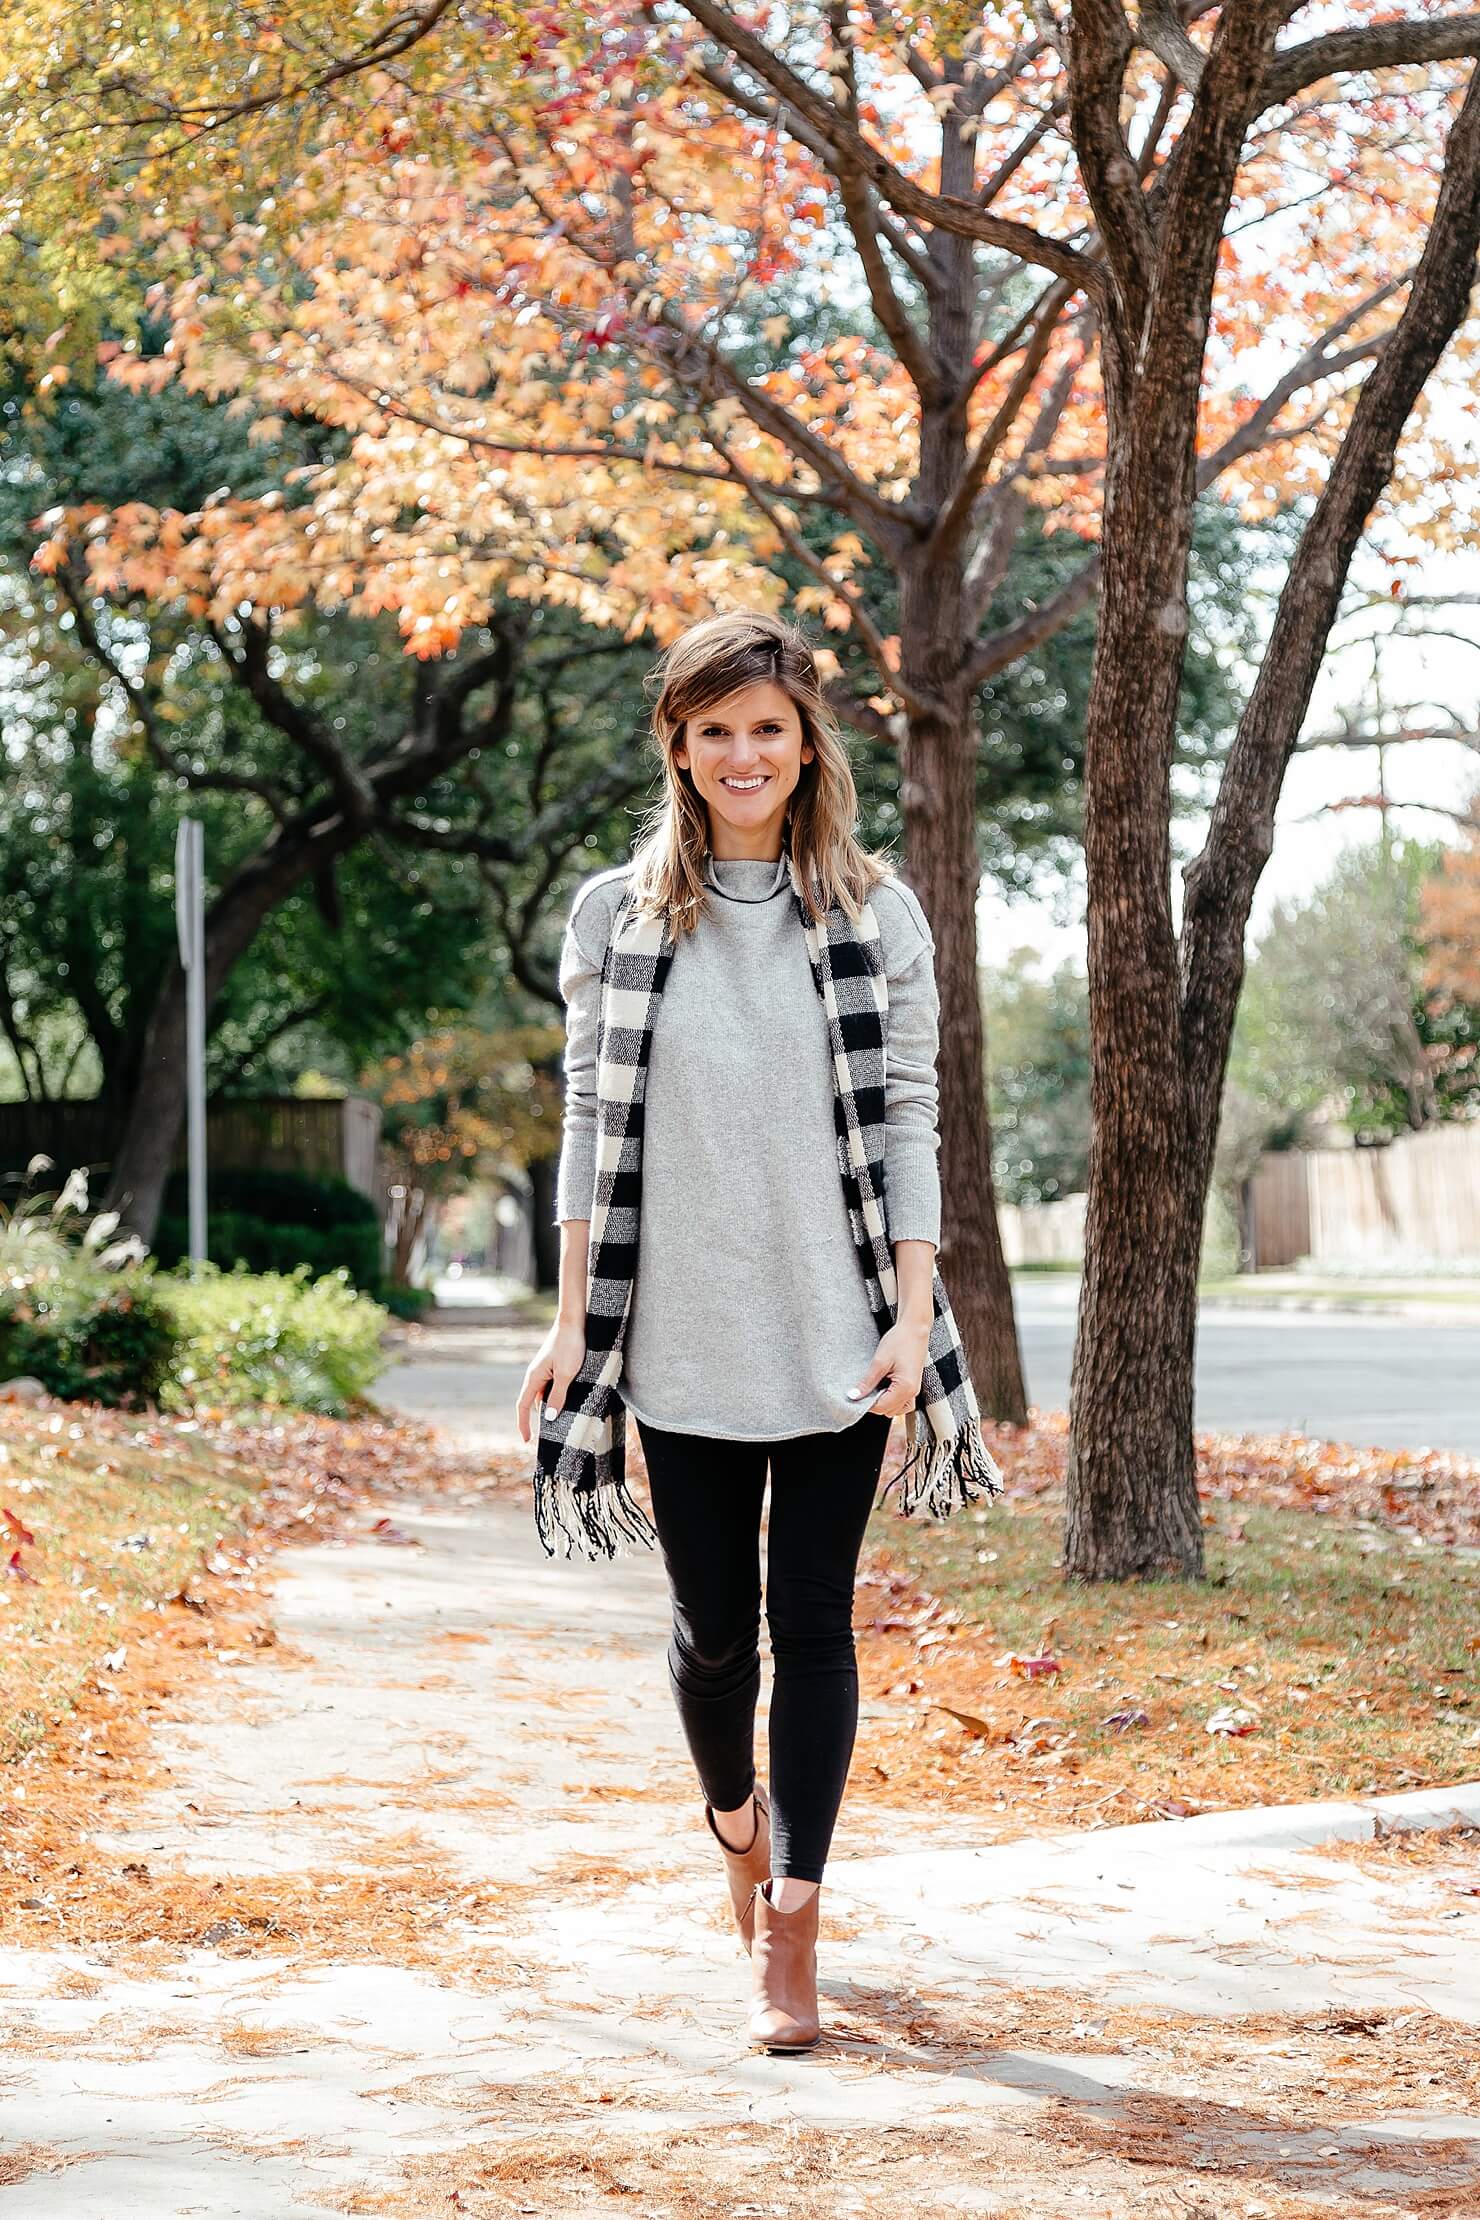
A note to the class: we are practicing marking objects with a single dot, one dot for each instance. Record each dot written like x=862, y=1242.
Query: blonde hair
x=704, y=665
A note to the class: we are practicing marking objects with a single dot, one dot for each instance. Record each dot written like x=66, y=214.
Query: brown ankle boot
x=783, y=1960
x=746, y=1868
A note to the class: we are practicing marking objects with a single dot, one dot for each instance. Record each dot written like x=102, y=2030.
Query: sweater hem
x=730, y=1433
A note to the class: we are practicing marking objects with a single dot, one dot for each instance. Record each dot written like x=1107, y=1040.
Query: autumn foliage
x=1451, y=912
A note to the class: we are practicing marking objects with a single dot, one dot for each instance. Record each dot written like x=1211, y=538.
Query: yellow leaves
x=847, y=551
x=836, y=612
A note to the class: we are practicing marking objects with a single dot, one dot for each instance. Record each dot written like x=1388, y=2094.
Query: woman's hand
x=899, y=1358
x=553, y=1366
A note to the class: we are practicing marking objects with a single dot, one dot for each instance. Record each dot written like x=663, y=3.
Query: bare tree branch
x=1368, y=46
x=822, y=117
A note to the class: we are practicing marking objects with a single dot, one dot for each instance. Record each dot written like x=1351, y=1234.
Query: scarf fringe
x=943, y=1474
x=596, y=1523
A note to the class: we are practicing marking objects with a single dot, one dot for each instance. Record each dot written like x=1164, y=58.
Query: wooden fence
x=1418, y=1198
x=330, y=1140
x=1043, y=1233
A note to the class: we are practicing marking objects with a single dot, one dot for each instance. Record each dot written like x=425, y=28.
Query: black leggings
x=707, y=1497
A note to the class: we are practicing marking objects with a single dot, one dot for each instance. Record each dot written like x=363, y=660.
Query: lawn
x=103, y=1518
x=1333, y=1650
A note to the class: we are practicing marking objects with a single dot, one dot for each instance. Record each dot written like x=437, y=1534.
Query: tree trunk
x=1132, y=1506
x=938, y=796
x=141, y=1164
x=545, y=1243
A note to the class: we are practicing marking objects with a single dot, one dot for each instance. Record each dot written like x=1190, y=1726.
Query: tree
x=635, y=190
x=1450, y=910
x=1335, y=1006
x=359, y=835
x=469, y=1100
x=1039, y=1030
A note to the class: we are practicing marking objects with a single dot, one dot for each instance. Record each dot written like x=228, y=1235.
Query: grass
x=119, y=1522
x=1351, y=1657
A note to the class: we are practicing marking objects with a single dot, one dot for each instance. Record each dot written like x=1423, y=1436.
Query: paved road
x=1383, y=1382
x=1380, y=1381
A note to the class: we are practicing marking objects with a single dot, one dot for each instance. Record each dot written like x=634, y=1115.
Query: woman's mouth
x=746, y=786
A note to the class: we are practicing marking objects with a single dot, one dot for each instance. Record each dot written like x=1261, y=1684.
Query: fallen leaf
x=386, y=1530
x=1227, y=1719
x=967, y=1719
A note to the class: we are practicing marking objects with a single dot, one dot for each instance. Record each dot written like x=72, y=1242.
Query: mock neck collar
x=747, y=878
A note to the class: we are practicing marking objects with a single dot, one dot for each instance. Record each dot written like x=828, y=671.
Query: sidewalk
x=1448, y=1300
x=468, y=1955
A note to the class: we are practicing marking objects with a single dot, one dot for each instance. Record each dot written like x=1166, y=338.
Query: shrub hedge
x=270, y=1337
x=105, y=1336
x=275, y=1221
x=222, y=1338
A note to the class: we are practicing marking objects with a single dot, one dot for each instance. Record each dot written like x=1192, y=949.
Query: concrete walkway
x=1193, y=2017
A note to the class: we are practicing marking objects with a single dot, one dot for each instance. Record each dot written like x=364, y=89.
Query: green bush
x=84, y=1333
x=282, y=1198
x=276, y=1221
x=232, y=1239
x=273, y=1337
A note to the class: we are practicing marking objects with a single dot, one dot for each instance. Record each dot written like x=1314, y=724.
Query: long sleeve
x=580, y=985
x=911, y=1092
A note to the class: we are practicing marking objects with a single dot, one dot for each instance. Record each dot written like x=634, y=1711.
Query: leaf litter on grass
x=1164, y=1698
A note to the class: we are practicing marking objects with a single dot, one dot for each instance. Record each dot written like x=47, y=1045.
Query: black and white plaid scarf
x=580, y=1487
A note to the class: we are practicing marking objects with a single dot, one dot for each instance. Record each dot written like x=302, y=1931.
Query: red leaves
x=386, y=1530
x=16, y=1531
x=1233, y=1722
x=607, y=329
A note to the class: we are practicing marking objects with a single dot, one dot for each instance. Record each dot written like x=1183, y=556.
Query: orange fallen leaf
x=967, y=1719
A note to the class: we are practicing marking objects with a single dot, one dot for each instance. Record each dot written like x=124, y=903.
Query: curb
x=1158, y=1852
x=1306, y=1826
x=1458, y=1314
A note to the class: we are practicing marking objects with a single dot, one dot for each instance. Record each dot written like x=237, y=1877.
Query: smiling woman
x=751, y=1109
x=745, y=757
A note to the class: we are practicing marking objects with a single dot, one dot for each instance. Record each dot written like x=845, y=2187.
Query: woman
x=765, y=1119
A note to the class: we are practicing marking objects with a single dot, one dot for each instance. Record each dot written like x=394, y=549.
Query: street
x=1381, y=1381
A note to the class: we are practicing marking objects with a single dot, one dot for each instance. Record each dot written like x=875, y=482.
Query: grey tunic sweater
x=749, y=1318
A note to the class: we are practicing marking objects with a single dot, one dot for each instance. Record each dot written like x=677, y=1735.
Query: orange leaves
x=1451, y=916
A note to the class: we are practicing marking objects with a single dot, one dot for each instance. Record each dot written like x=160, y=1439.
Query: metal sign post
x=190, y=923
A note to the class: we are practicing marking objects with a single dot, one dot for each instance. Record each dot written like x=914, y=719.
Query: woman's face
x=745, y=756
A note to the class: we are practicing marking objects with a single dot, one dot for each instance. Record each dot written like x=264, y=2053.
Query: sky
x=1422, y=677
